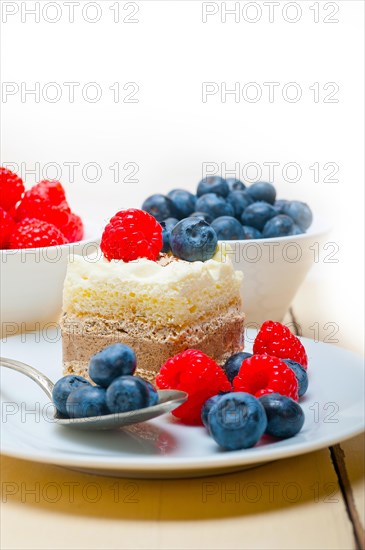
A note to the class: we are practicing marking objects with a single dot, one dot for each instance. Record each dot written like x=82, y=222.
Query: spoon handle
x=45, y=383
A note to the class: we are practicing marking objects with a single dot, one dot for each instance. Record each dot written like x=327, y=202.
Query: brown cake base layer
x=81, y=338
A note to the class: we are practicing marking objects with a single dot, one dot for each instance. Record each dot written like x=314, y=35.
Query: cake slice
x=158, y=308
x=158, y=304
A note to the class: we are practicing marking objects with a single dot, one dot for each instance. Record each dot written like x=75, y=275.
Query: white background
x=169, y=52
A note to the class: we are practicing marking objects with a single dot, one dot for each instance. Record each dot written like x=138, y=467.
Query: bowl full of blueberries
x=270, y=239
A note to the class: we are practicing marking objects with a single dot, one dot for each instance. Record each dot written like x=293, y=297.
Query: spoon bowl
x=168, y=400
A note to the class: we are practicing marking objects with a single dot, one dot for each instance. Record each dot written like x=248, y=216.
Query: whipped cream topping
x=167, y=269
x=168, y=292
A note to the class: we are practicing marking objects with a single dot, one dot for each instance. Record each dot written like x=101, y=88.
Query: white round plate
x=163, y=448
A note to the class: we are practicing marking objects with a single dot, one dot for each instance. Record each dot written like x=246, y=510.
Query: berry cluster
x=271, y=378
x=35, y=218
x=133, y=234
x=235, y=212
x=116, y=389
x=238, y=420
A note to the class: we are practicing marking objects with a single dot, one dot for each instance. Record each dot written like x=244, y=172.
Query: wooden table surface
x=310, y=501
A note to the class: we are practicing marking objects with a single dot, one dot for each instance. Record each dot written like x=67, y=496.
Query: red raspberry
x=7, y=226
x=262, y=374
x=276, y=339
x=12, y=212
x=132, y=234
x=32, y=233
x=51, y=190
x=11, y=188
x=197, y=374
x=45, y=201
x=74, y=230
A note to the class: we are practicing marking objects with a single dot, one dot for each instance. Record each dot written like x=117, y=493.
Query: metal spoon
x=168, y=400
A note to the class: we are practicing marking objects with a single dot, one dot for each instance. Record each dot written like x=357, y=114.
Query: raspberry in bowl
x=38, y=234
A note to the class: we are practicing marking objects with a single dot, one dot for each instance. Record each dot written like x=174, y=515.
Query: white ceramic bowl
x=274, y=269
x=31, y=283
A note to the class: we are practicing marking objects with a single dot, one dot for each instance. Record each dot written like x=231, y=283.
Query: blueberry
x=214, y=206
x=193, y=240
x=262, y=191
x=285, y=417
x=300, y=213
x=251, y=232
x=63, y=387
x=167, y=226
x=113, y=361
x=235, y=185
x=240, y=200
x=257, y=214
x=160, y=207
x=207, y=406
x=301, y=375
x=165, y=238
x=127, y=393
x=228, y=228
x=213, y=184
x=203, y=216
x=153, y=394
x=87, y=401
x=170, y=222
x=237, y=421
x=278, y=226
x=279, y=205
x=297, y=230
x=184, y=202
x=233, y=364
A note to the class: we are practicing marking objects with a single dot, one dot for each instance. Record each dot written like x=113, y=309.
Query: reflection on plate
x=163, y=448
